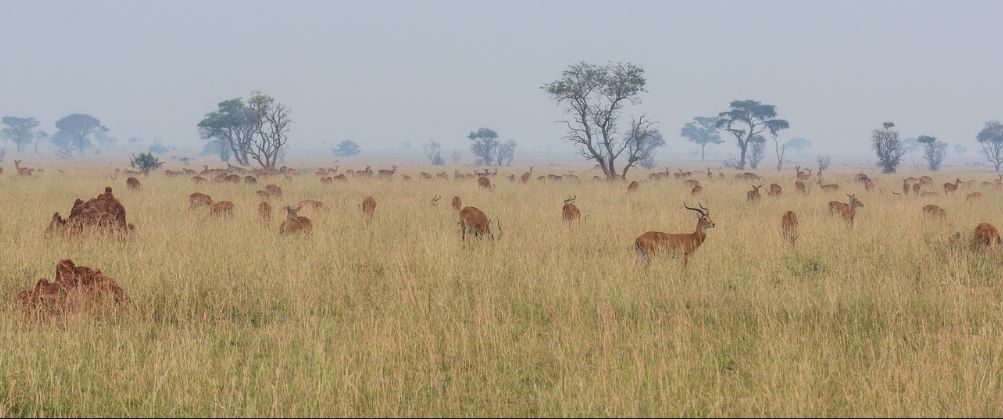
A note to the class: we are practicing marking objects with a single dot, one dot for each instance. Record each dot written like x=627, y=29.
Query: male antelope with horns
x=654, y=241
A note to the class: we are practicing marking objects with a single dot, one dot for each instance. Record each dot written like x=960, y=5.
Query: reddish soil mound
x=104, y=213
x=75, y=287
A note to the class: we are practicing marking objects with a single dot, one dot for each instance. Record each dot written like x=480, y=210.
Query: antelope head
x=570, y=200
x=704, y=223
x=291, y=213
x=854, y=201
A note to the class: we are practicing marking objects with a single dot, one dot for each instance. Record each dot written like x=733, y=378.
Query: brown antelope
x=273, y=191
x=231, y=179
x=250, y=180
x=570, y=211
x=473, y=220
x=869, y=185
x=327, y=180
x=915, y=188
x=384, y=174
x=525, y=176
x=789, y=223
x=710, y=175
x=221, y=208
x=934, y=211
x=847, y=211
x=295, y=224
x=652, y=242
x=753, y=195
x=987, y=236
x=973, y=196
x=457, y=203
x=697, y=190
x=633, y=186
x=368, y=207
x=951, y=187
x=830, y=187
x=800, y=187
x=265, y=212
x=905, y=186
x=926, y=180
x=198, y=180
x=133, y=183
x=485, y=183
x=802, y=176
x=199, y=200
x=22, y=171
x=775, y=190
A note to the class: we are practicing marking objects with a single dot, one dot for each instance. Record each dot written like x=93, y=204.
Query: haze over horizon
x=382, y=73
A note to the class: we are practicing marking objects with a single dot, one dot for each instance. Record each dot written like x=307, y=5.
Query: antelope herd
x=473, y=221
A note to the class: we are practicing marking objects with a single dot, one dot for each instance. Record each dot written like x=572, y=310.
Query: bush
x=145, y=161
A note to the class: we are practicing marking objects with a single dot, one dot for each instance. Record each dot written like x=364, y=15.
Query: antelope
x=973, y=196
x=326, y=180
x=198, y=180
x=633, y=186
x=847, y=211
x=831, y=187
x=340, y=178
x=456, y=203
x=231, y=179
x=905, y=186
x=485, y=183
x=753, y=195
x=915, y=188
x=802, y=176
x=442, y=175
x=789, y=223
x=273, y=191
x=406, y=178
x=861, y=178
x=295, y=224
x=926, y=180
x=250, y=180
x=775, y=190
x=473, y=220
x=22, y=171
x=934, y=211
x=868, y=185
x=570, y=211
x=682, y=174
x=221, y=208
x=265, y=212
x=653, y=242
x=435, y=200
x=199, y=200
x=511, y=178
x=951, y=187
x=388, y=173
x=987, y=236
x=710, y=175
x=133, y=183
x=697, y=190
x=368, y=207
x=799, y=186
x=313, y=204
x=525, y=176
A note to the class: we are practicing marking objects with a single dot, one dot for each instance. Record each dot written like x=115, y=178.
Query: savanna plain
x=897, y=315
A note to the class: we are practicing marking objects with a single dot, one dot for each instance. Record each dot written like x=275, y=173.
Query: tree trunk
x=703, y=152
x=741, y=162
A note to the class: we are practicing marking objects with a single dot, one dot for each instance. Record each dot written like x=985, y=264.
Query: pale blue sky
x=384, y=72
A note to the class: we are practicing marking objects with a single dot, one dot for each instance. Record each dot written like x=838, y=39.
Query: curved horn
x=501, y=233
x=698, y=210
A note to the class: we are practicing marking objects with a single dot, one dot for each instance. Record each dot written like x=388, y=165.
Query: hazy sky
x=382, y=72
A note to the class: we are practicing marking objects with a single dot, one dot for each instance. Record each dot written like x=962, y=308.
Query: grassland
x=399, y=317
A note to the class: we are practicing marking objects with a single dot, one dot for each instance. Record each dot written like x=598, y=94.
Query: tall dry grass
x=398, y=317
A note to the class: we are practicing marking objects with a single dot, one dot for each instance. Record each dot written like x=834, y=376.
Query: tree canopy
x=748, y=119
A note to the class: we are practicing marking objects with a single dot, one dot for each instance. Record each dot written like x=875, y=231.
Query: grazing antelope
x=457, y=203
x=199, y=200
x=987, y=236
x=697, y=190
x=775, y=190
x=435, y=200
x=934, y=211
x=368, y=207
x=273, y=191
x=133, y=183
x=231, y=179
x=250, y=180
x=652, y=242
x=869, y=185
x=295, y=224
x=800, y=187
x=847, y=211
x=198, y=180
x=831, y=187
x=570, y=211
x=525, y=176
x=633, y=186
x=951, y=187
x=753, y=195
x=265, y=212
x=473, y=220
x=789, y=223
x=221, y=208
x=973, y=196
x=485, y=183
x=384, y=174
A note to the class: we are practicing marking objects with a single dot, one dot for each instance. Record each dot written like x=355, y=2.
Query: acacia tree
x=888, y=147
x=595, y=97
x=76, y=131
x=433, y=151
x=757, y=150
x=933, y=151
x=20, y=130
x=748, y=119
x=271, y=129
x=230, y=125
x=991, y=140
x=347, y=148
x=484, y=145
x=702, y=131
x=781, y=150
